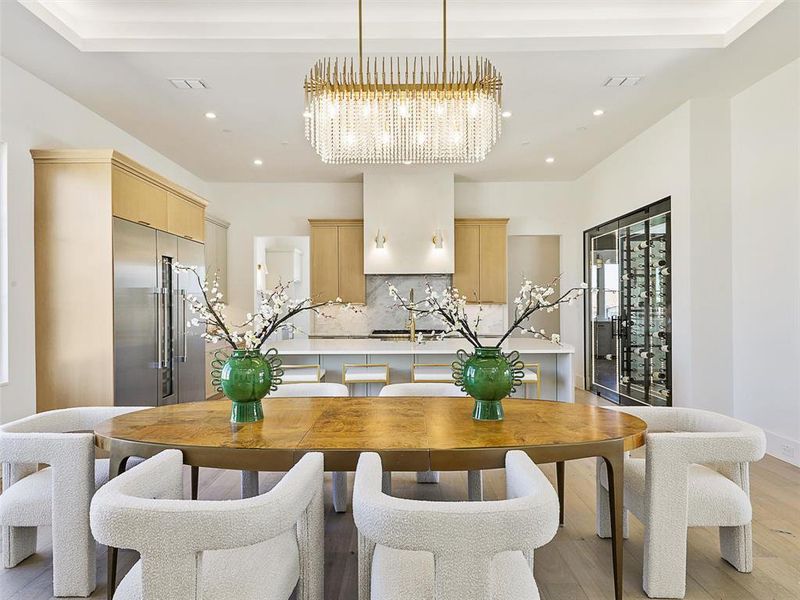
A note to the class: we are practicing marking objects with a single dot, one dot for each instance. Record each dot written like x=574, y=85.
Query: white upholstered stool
x=431, y=373
x=365, y=373
x=532, y=375
x=302, y=374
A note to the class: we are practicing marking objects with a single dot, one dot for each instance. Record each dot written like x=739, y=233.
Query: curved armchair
x=58, y=495
x=452, y=550
x=260, y=547
x=695, y=473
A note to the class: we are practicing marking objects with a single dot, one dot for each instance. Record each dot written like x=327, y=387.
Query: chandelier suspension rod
x=361, y=42
x=360, y=47
x=444, y=41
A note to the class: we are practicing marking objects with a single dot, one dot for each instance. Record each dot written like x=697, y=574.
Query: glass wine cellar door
x=628, y=320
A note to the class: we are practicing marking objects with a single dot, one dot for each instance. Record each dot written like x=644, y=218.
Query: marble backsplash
x=380, y=312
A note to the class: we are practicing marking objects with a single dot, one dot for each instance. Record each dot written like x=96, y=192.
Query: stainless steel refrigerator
x=158, y=357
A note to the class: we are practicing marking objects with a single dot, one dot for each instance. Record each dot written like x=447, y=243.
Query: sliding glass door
x=628, y=312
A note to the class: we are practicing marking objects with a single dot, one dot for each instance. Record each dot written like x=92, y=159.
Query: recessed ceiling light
x=598, y=112
x=549, y=160
x=211, y=115
x=258, y=162
x=505, y=114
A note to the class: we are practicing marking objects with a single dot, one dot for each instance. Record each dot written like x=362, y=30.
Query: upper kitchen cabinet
x=480, y=259
x=185, y=217
x=337, y=260
x=216, y=242
x=141, y=196
x=135, y=199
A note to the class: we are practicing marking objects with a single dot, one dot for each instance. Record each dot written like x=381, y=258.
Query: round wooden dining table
x=410, y=434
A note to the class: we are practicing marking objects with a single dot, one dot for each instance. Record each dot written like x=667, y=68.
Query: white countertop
x=376, y=346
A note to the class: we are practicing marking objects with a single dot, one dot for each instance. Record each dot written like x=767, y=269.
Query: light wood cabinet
x=141, y=196
x=216, y=247
x=481, y=259
x=352, y=283
x=137, y=200
x=337, y=260
x=76, y=195
x=185, y=218
x=466, y=277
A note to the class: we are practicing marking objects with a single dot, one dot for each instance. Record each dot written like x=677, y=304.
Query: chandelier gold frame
x=403, y=110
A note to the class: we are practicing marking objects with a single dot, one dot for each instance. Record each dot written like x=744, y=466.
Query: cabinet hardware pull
x=144, y=223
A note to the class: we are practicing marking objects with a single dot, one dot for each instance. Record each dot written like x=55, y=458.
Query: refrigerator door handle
x=182, y=314
x=165, y=322
x=159, y=329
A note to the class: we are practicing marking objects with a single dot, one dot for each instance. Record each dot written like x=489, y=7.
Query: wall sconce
x=380, y=239
x=438, y=239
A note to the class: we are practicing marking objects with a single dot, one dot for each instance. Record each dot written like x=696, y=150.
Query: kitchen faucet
x=411, y=324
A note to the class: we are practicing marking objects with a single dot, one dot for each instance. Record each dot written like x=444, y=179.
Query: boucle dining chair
x=426, y=389
x=58, y=495
x=417, y=550
x=695, y=473
x=258, y=548
x=333, y=390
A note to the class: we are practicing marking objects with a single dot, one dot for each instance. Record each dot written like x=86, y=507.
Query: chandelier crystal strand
x=402, y=110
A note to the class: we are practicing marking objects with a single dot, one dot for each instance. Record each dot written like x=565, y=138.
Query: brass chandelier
x=402, y=110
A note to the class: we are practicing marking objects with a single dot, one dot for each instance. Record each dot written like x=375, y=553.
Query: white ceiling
x=683, y=49
x=290, y=26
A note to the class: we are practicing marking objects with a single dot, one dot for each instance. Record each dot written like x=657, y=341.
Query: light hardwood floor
x=576, y=565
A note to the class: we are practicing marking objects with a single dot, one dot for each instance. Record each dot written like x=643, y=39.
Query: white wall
x=36, y=115
x=766, y=257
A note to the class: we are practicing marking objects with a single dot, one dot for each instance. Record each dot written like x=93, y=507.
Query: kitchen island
x=555, y=361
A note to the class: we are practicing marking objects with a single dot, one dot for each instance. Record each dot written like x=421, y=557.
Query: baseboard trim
x=580, y=382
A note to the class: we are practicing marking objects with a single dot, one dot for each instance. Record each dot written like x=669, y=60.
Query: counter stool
x=365, y=373
x=302, y=373
x=431, y=373
x=532, y=374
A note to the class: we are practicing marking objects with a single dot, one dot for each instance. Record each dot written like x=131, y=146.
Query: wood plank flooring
x=576, y=565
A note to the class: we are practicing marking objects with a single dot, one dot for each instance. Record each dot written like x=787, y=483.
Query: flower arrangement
x=450, y=308
x=249, y=373
x=488, y=374
x=275, y=311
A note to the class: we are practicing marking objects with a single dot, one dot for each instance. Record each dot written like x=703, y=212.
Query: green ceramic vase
x=488, y=376
x=245, y=378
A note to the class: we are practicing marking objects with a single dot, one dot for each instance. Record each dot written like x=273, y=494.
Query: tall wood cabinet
x=337, y=260
x=77, y=194
x=481, y=259
x=216, y=242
